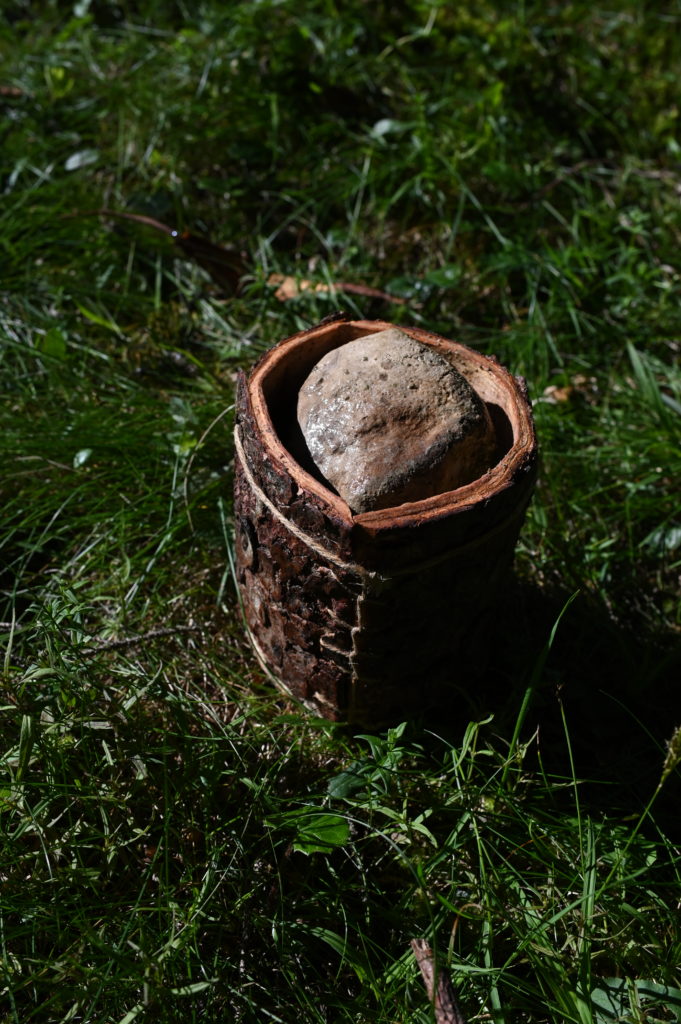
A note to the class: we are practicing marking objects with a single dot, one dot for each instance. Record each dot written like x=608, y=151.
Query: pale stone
x=387, y=419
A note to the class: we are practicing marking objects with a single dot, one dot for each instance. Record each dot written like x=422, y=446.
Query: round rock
x=388, y=420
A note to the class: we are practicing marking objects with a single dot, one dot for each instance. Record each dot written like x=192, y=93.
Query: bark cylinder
x=370, y=617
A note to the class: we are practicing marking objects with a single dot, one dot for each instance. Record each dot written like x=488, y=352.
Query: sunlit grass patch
x=179, y=842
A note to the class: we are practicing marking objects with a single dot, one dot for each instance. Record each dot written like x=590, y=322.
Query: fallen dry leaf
x=438, y=985
x=580, y=387
x=289, y=287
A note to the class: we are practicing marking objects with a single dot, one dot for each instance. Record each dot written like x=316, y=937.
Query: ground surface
x=178, y=842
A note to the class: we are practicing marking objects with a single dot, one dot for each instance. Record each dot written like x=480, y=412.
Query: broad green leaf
x=319, y=831
x=52, y=344
x=611, y=999
x=348, y=782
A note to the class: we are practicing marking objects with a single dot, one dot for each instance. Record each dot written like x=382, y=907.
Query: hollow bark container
x=371, y=617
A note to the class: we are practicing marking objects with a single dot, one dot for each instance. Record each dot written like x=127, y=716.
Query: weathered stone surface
x=387, y=419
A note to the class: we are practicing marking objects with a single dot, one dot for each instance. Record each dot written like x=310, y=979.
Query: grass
x=178, y=842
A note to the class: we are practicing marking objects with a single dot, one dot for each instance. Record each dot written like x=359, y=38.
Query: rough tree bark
x=371, y=616
x=438, y=985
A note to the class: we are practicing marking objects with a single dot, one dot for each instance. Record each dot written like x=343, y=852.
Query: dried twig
x=107, y=645
x=225, y=266
x=438, y=986
x=130, y=641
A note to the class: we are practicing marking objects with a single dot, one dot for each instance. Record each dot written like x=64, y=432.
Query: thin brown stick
x=224, y=265
x=130, y=641
x=438, y=986
x=138, y=218
x=369, y=292
x=107, y=645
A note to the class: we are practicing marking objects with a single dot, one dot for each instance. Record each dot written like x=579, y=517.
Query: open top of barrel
x=326, y=591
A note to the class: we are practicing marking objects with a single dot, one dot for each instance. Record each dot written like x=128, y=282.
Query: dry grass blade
x=225, y=266
x=438, y=985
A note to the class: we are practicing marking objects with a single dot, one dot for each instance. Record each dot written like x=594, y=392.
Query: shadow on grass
x=612, y=691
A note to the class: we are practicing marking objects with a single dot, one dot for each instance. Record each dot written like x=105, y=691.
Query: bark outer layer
x=370, y=617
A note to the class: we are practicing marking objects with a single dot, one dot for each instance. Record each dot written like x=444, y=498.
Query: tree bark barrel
x=371, y=617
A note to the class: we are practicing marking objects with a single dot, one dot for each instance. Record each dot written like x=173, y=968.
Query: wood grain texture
x=438, y=985
x=378, y=615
